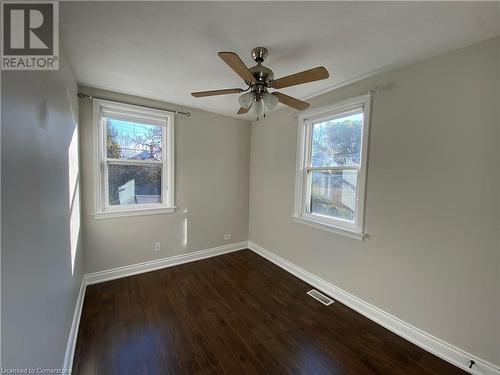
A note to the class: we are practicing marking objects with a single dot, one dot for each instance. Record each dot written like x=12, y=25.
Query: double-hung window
x=134, y=160
x=331, y=166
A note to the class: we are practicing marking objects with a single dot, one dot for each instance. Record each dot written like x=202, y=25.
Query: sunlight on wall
x=74, y=225
x=74, y=195
x=185, y=234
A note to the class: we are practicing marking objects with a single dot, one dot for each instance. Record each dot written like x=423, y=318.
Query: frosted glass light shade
x=270, y=101
x=246, y=100
x=259, y=108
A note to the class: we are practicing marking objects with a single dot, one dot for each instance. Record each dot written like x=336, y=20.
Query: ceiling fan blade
x=201, y=94
x=306, y=76
x=235, y=63
x=242, y=110
x=291, y=102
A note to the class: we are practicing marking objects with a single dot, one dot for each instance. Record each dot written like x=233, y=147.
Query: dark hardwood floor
x=233, y=314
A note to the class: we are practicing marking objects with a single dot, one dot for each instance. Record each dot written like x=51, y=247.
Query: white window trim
x=305, y=120
x=102, y=209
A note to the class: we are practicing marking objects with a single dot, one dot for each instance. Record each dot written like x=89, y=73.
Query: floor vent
x=320, y=297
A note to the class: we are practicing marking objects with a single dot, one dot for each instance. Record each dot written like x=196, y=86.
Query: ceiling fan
x=259, y=79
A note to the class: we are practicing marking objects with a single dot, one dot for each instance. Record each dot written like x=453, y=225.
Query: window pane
x=129, y=140
x=333, y=193
x=134, y=184
x=337, y=142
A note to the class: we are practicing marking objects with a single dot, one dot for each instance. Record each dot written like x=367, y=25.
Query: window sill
x=136, y=212
x=330, y=228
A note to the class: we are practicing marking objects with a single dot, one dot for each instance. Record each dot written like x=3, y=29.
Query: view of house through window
x=140, y=180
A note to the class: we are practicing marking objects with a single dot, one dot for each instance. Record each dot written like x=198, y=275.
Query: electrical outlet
x=157, y=246
x=227, y=236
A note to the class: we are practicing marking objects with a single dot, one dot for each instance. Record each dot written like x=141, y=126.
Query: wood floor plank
x=233, y=314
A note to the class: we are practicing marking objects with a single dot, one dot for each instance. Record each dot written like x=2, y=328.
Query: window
x=331, y=166
x=134, y=160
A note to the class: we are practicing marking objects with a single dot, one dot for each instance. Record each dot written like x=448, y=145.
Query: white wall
x=432, y=255
x=212, y=157
x=40, y=275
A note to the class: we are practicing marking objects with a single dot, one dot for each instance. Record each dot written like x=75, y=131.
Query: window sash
x=163, y=182
x=335, y=115
x=134, y=117
x=140, y=119
x=104, y=130
x=336, y=168
x=306, y=199
x=133, y=162
x=318, y=120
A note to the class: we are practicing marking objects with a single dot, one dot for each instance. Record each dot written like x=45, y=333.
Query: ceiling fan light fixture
x=246, y=100
x=270, y=101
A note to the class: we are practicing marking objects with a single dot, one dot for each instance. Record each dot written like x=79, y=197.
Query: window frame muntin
x=101, y=163
x=304, y=154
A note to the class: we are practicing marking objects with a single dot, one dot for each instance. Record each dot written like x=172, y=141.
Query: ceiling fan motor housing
x=264, y=76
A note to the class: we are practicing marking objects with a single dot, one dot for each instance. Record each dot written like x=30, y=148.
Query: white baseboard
x=135, y=269
x=73, y=333
x=438, y=347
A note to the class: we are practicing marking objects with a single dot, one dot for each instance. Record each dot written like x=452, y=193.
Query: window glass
x=133, y=141
x=337, y=142
x=134, y=184
x=333, y=193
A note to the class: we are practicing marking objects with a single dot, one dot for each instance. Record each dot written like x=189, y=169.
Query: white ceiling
x=166, y=50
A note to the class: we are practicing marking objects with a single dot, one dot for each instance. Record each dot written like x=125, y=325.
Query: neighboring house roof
x=144, y=155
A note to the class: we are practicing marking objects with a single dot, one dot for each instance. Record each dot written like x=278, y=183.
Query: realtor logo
x=30, y=35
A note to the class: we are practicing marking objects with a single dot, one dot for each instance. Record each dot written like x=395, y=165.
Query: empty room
x=245, y=187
